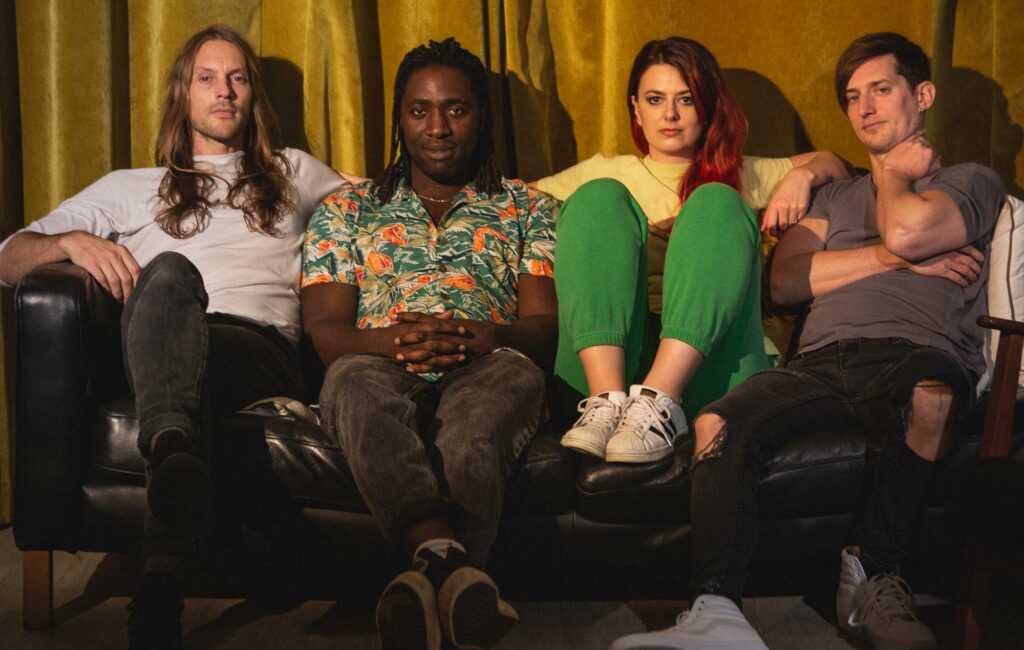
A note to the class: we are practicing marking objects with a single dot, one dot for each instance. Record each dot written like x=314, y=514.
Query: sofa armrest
x=68, y=360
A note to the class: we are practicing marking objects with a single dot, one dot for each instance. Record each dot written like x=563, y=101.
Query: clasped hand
x=438, y=342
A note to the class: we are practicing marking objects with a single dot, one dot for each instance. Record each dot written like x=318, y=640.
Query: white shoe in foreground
x=880, y=609
x=600, y=415
x=713, y=622
x=650, y=421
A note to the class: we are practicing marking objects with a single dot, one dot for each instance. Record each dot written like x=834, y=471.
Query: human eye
x=851, y=99
x=653, y=100
x=686, y=100
x=240, y=78
x=417, y=111
x=202, y=76
x=883, y=90
x=457, y=111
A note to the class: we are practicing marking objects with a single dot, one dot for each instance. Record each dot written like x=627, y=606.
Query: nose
x=671, y=111
x=865, y=105
x=225, y=89
x=437, y=125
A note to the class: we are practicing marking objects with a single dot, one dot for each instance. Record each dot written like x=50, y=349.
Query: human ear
x=636, y=110
x=925, y=94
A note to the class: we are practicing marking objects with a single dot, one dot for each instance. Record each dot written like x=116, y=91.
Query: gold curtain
x=86, y=92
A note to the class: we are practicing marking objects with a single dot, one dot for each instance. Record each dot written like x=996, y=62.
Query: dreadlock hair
x=448, y=53
x=261, y=191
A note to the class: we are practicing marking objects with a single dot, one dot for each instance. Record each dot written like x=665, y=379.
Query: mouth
x=670, y=132
x=439, y=153
x=871, y=126
x=223, y=111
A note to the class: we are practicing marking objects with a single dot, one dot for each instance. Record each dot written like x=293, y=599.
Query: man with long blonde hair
x=204, y=252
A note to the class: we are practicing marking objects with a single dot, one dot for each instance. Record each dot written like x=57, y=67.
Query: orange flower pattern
x=401, y=261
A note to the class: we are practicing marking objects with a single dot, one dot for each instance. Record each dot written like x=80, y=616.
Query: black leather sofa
x=572, y=526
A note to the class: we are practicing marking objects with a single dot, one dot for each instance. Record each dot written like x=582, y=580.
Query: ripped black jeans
x=865, y=383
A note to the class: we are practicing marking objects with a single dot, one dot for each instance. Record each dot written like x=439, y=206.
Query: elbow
x=907, y=244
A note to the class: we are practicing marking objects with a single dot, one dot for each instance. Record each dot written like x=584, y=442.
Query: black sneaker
x=407, y=614
x=155, y=619
x=179, y=488
x=468, y=605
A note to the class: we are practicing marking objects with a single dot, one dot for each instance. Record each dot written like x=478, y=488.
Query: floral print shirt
x=402, y=261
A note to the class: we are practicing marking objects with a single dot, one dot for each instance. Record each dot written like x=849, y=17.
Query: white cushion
x=1005, y=278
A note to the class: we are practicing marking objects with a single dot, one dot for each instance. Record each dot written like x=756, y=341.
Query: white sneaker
x=880, y=609
x=600, y=414
x=650, y=421
x=712, y=622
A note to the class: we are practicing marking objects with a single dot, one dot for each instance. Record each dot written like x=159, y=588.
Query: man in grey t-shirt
x=891, y=265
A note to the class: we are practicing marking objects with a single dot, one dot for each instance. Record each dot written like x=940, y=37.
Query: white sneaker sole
x=636, y=457
x=658, y=641
x=582, y=445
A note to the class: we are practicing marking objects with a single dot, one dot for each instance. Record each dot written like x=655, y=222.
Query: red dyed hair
x=717, y=156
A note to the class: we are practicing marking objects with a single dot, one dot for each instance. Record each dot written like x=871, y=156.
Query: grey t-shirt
x=903, y=304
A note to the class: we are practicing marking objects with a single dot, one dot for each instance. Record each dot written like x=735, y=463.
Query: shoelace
x=888, y=596
x=598, y=410
x=640, y=414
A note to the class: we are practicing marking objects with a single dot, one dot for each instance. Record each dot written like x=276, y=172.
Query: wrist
x=890, y=260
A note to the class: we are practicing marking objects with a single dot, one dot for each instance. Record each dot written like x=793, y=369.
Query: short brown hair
x=911, y=61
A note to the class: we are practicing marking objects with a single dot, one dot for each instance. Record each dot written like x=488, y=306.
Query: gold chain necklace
x=433, y=200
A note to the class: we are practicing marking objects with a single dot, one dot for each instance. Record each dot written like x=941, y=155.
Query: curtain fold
x=90, y=77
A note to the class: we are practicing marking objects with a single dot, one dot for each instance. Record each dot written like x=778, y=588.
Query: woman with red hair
x=673, y=233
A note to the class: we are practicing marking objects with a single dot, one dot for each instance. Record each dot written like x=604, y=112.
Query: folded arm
x=802, y=270
x=915, y=226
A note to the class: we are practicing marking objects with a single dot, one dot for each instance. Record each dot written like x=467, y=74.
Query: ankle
x=170, y=441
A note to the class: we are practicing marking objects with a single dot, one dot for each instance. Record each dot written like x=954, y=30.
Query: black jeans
x=186, y=367
x=866, y=383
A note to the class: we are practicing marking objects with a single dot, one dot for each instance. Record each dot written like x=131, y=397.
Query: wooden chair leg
x=973, y=591
x=37, y=589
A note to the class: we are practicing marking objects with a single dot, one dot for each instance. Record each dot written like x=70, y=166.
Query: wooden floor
x=93, y=590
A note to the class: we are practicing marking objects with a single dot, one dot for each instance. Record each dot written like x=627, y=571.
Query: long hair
x=448, y=53
x=717, y=156
x=262, y=190
x=911, y=61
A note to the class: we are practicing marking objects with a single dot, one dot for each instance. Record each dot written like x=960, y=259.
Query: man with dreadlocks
x=429, y=294
x=204, y=252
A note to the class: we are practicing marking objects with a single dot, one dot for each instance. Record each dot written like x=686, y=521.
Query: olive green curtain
x=81, y=83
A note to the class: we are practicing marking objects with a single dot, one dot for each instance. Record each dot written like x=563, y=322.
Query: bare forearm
x=823, y=166
x=800, y=278
x=334, y=339
x=535, y=336
x=916, y=226
x=27, y=250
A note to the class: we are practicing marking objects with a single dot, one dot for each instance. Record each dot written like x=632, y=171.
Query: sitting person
x=891, y=267
x=204, y=251
x=428, y=294
x=673, y=233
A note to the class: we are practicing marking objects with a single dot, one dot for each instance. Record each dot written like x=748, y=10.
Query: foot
x=407, y=614
x=712, y=622
x=470, y=610
x=155, y=619
x=591, y=432
x=880, y=608
x=650, y=422
x=179, y=488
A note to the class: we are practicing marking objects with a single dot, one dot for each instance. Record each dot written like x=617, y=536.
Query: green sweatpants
x=711, y=295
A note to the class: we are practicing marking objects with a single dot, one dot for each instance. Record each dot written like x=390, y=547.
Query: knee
x=602, y=200
x=931, y=409
x=348, y=378
x=520, y=375
x=171, y=270
x=710, y=200
x=709, y=436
